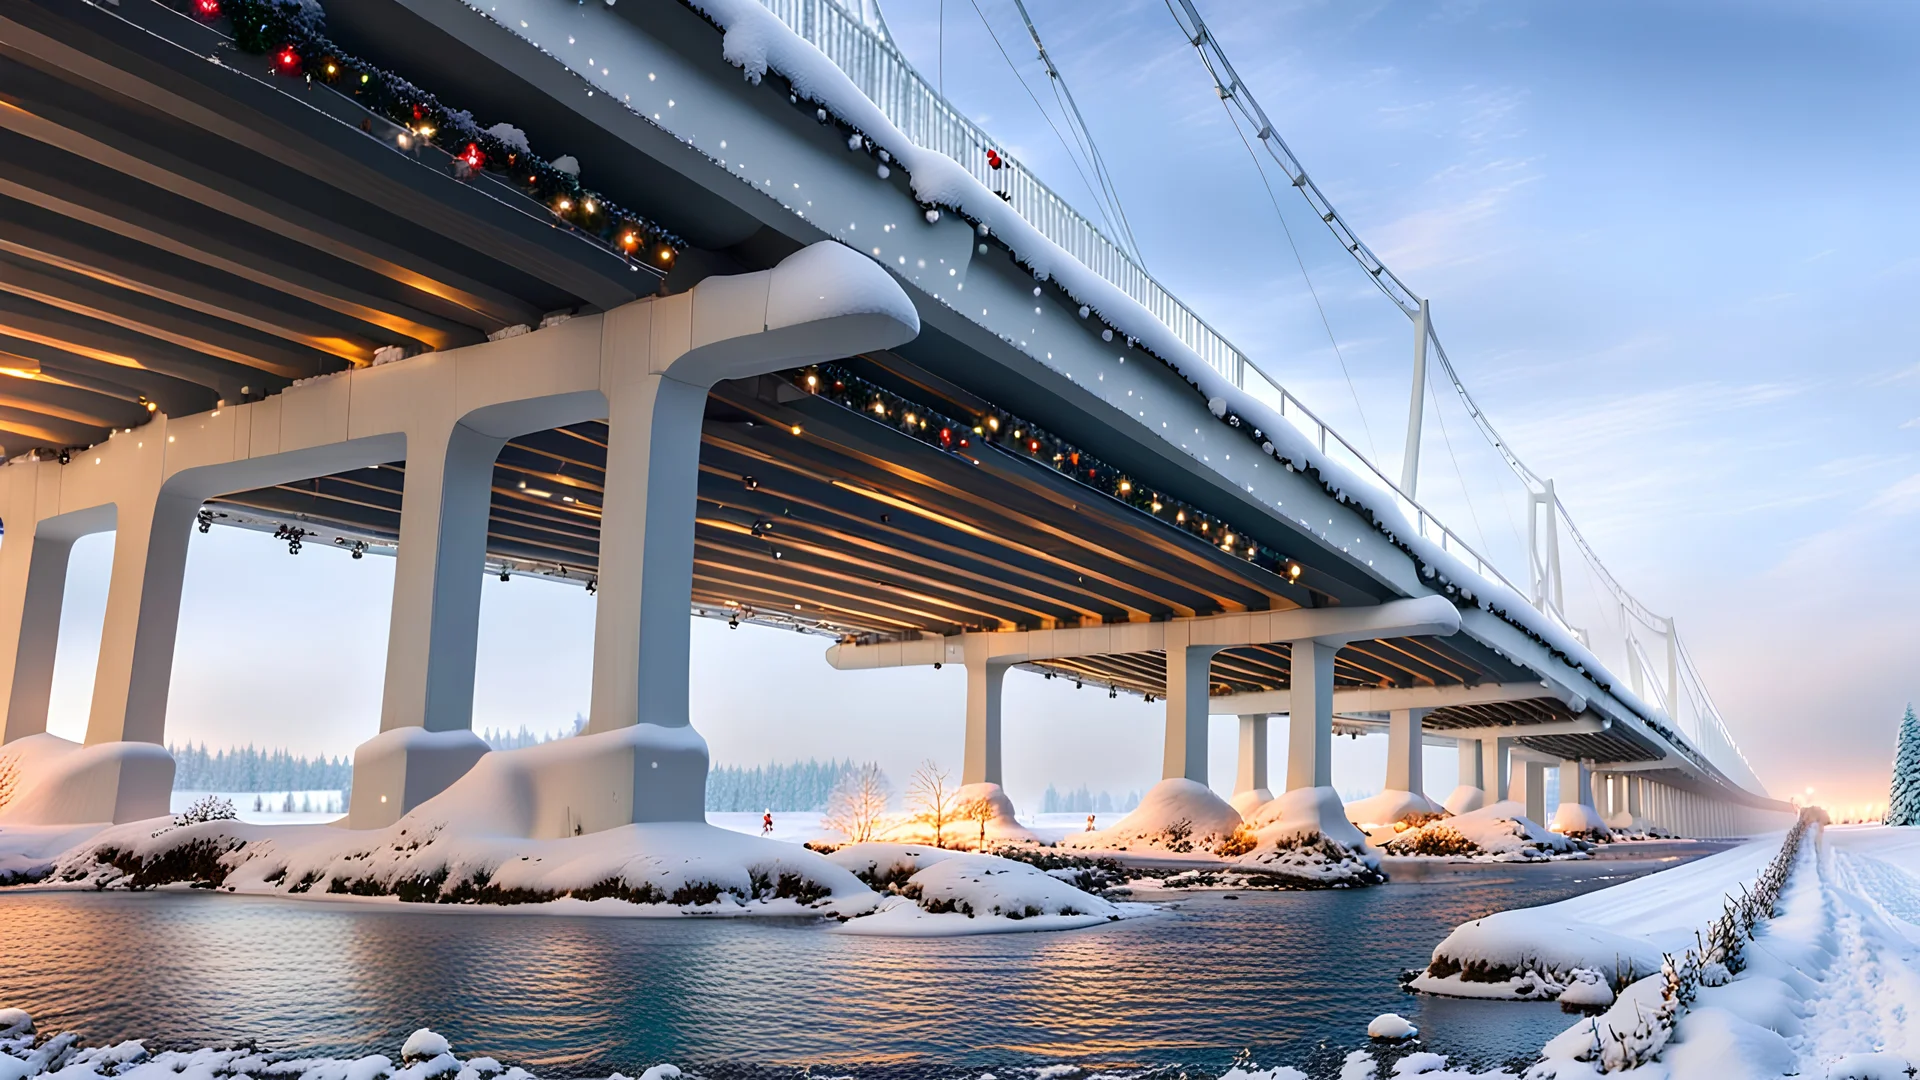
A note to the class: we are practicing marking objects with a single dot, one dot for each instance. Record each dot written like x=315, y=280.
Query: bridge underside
x=177, y=234
x=862, y=525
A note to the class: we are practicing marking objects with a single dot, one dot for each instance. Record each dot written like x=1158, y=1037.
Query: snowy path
x=1869, y=999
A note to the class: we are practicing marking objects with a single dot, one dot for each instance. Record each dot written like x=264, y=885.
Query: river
x=1290, y=978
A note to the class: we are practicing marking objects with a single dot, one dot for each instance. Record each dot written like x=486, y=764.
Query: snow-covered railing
x=851, y=36
x=858, y=44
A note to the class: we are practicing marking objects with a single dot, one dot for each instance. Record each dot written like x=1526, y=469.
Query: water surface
x=1291, y=978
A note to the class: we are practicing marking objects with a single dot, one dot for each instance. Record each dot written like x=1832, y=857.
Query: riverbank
x=1292, y=977
x=1813, y=969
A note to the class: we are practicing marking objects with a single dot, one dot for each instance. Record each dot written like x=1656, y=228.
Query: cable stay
x=1084, y=135
x=1235, y=95
x=1124, y=237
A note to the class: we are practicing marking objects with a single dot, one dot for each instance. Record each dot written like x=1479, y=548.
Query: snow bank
x=1465, y=799
x=936, y=891
x=1580, y=820
x=1246, y=802
x=61, y=782
x=1392, y=806
x=507, y=832
x=1391, y=1026
x=1177, y=815
x=1501, y=832
x=24, y=1055
x=1621, y=932
x=1305, y=833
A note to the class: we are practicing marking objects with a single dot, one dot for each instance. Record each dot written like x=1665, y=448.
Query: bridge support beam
x=1527, y=785
x=33, y=584
x=1250, y=779
x=980, y=763
x=1494, y=762
x=426, y=739
x=1406, y=749
x=1471, y=792
x=1188, y=669
x=1310, y=725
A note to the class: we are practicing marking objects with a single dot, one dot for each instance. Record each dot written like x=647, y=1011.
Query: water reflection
x=1293, y=977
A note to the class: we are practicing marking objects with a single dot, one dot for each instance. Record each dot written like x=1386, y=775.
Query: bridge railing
x=856, y=41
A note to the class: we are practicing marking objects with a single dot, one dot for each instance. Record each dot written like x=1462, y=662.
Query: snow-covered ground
x=1829, y=987
x=507, y=833
x=1622, y=931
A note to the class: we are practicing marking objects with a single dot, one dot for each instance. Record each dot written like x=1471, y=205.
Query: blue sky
x=1671, y=248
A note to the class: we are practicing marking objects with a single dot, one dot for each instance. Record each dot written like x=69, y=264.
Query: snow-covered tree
x=1903, y=802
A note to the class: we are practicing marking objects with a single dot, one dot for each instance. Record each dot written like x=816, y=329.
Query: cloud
x=1901, y=497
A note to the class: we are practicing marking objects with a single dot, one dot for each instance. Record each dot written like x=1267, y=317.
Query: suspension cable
x=1048, y=117
x=1235, y=96
x=1318, y=306
x=1078, y=124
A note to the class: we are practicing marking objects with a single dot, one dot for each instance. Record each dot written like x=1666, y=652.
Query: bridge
x=786, y=348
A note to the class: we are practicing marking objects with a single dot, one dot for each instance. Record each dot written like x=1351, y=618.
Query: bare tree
x=981, y=811
x=933, y=800
x=857, y=802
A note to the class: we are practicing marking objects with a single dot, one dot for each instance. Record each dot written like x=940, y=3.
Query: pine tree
x=1903, y=802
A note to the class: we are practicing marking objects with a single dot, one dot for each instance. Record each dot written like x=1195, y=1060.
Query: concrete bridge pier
x=1471, y=794
x=1527, y=785
x=646, y=367
x=1495, y=763
x=1310, y=724
x=1188, y=665
x=1406, y=751
x=1250, y=779
x=980, y=763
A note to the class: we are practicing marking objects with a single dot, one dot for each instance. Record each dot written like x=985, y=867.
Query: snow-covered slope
x=1621, y=931
x=1501, y=832
x=934, y=891
x=1176, y=815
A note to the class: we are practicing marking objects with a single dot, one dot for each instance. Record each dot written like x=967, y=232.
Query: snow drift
x=938, y=891
x=508, y=832
x=1501, y=832
x=1177, y=815
x=1392, y=806
x=1305, y=834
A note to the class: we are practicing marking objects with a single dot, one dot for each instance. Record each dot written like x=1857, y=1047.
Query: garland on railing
x=999, y=429
x=289, y=33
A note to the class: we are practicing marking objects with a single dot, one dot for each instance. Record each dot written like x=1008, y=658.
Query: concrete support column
x=1185, y=754
x=426, y=741
x=33, y=584
x=1576, y=783
x=1472, y=764
x=1252, y=772
x=981, y=761
x=1494, y=772
x=135, y=670
x=434, y=631
x=1310, y=726
x=1529, y=786
x=642, y=634
x=1406, y=746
